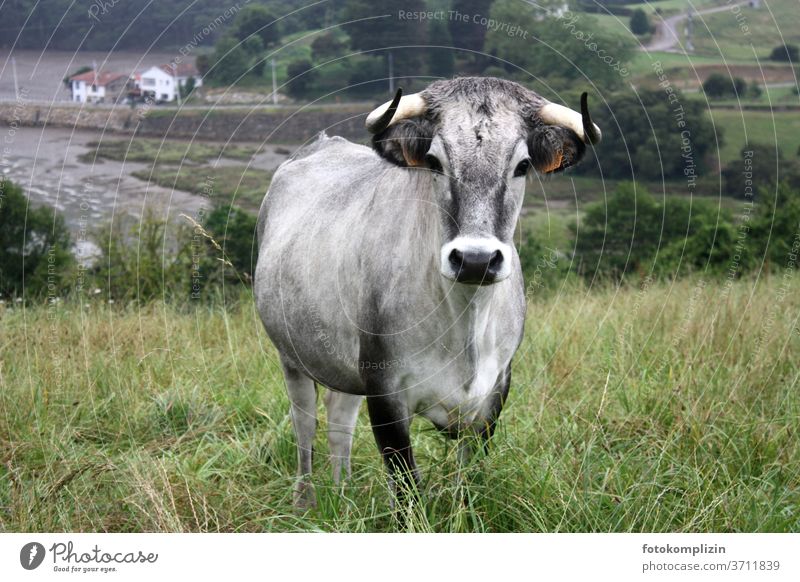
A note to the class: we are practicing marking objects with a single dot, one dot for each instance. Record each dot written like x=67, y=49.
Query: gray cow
x=391, y=272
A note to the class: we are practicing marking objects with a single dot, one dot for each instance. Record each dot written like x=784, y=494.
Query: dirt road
x=666, y=37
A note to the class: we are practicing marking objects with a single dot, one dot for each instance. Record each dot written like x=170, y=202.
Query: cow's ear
x=406, y=142
x=553, y=148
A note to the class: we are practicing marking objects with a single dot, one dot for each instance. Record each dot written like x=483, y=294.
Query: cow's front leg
x=391, y=422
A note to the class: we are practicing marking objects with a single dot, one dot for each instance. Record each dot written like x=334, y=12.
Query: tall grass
x=668, y=407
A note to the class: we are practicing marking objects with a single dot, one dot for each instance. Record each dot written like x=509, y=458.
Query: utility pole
x=14, y=72
x=391, y=73
x=689, y=31
x=274, y=83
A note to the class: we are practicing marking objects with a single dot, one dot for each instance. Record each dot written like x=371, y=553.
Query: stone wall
x=279, y=124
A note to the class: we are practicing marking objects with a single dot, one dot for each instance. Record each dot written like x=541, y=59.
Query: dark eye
x=522, y=168
x=433, y=163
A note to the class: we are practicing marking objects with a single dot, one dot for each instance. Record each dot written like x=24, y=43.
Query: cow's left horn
x=580, y=123
x=393, y=111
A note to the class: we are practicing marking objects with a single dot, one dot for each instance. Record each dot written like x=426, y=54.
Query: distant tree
x=759, y=166
x=465, y=31
x=716, y=85
x=327, y=46
x=203, y=63
x=257, y=20
x=640, y=22
x=442, y=60
x=369, y=31
x=774, y=229
x=633, y=232
x=739, y=87
x=231, y=61
x=35, y=257
x=653, y=150
x=620, y=234
x=563, y=51
x=301, y=76
x=755, y=90
x=367, y=75
x=188, y=87
x=785, y=53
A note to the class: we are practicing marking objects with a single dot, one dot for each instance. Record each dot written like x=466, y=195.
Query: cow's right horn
x=580, y=123
x=393, y=111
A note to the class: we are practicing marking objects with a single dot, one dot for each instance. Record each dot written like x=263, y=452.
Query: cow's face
x=479, y=138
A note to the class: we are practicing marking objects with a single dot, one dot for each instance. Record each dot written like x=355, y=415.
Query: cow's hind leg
x=303, y=399
x=342, y=416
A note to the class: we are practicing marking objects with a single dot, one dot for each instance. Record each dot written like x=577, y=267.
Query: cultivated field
x=658, y=408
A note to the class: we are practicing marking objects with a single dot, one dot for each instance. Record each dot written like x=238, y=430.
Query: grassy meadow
x=664, y=407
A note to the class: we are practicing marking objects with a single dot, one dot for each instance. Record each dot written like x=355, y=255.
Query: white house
x=162, y=82
x=91, y=87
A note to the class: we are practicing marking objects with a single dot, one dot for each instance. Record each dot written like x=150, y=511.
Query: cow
x=389, y=272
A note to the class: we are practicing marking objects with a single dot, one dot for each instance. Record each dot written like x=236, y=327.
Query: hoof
x=305, y=497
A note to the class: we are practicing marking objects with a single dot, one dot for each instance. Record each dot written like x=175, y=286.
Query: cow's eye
x=433, y=163
x=522, y=168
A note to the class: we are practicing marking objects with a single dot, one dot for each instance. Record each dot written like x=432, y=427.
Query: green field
x=762, y=127
x=667, y=408
x=243, y=186
x=721, y=34
x=164, y=151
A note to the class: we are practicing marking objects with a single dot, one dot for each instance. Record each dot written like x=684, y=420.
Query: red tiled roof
x=94, y=79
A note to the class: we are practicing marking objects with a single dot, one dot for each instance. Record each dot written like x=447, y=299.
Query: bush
x=631, y=148
x=760, y=166
x=152, y=259
x=543, y=267
x=639, y=23
x=717, y=86
x=139, y=263
x=785, y=53
x=301, y=75
x=231, y=61
x=235, y=232
x=257, y=21
x=35, y=257
x=327, y=46
x=635, y=233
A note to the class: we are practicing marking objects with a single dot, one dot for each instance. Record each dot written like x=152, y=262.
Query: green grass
x=757, y=127
x=680, y=66
x=672, y=408
x=720, y=34
x=673, y=6
x=770, y=97
x=241, y=185
x=164, y=152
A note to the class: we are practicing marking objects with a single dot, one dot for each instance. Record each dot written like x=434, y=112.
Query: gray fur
x=350, y=284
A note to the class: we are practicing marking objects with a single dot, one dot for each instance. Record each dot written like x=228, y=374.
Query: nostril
x=456, y=258
x=496, y=260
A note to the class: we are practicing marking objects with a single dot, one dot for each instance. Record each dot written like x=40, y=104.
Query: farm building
x=161, y=82
x=92, y=87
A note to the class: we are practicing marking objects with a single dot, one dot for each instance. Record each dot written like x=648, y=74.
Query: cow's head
x=480, y=137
